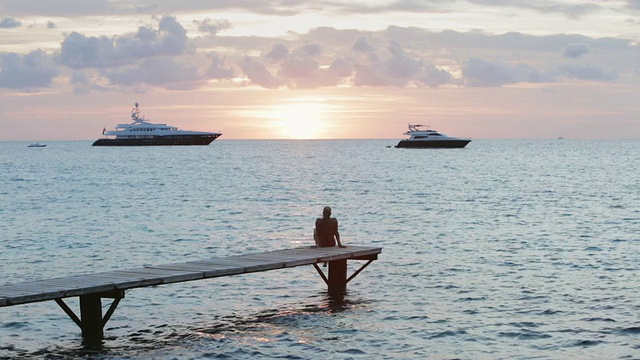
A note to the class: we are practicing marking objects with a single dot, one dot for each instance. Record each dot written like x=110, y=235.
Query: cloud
x=258, y=74
x=72, y=8
x=306, y=73
x=62, y=8
x=400, y=65
x=8, y=23
x=278, y=52
x=362, y=45
x=569, y=10
x=84, y=83
x=432, y=61
x=31, y=71
x=576, y=50
x=212, y=27
x=51, y=25
x=434, y=77
x=341, y=68
x=217, y=70
x=396, y=70
x=79, y=51
x=295, y=72
x=330, y=37
x=589, y=73
x=633, y=4
x=165, y=57
x=512, y=42
x=310, y=50
x=299, y=68
x=478, y=72
x=368, y=76
x=162, y=71
x=439, y=7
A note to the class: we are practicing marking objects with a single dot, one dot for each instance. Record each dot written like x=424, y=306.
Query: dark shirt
x=326, y=230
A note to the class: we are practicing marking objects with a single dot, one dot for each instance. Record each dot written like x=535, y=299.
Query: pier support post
x=91, y=321
x=91, y=318
x=337, y=277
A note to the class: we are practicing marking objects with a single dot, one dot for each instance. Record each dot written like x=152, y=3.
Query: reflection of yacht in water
x=420, y=136
x=143, y=133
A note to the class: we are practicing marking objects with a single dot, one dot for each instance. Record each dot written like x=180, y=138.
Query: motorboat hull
x=184, y=140
x=433, y=144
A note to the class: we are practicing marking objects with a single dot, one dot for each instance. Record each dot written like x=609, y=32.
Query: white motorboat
x=421, y=136
x=144, y=133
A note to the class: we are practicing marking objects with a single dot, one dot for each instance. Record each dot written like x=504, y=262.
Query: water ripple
x=484, y=248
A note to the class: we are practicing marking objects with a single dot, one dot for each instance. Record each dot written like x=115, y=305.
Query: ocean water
x=502, y=250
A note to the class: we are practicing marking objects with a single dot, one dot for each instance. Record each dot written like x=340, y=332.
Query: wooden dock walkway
x=91, y=288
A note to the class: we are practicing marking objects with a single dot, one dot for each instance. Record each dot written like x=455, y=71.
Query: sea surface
x=526, y=249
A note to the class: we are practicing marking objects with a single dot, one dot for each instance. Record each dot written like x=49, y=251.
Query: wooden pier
x=91, y=288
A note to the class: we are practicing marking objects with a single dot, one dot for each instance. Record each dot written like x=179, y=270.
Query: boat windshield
x=419, y=128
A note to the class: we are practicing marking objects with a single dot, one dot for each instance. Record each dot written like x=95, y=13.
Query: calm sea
x=502, y=250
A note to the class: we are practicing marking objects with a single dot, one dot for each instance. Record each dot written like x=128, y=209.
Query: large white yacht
x=143, y=133
x=421, y=136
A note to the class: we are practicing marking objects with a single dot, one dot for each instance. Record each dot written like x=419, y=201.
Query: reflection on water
x=302, y=324
x=504, y=249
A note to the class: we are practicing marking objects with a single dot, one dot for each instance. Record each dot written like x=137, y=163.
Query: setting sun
x=299, y=118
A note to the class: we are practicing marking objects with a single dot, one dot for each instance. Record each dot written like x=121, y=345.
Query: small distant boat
x=144, y=133
x=422, y=137
x=36, y=145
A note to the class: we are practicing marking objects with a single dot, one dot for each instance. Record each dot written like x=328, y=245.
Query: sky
x=322, y=69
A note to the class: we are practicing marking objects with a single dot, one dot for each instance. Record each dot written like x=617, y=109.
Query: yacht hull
x=159, y=141
x=433, y=144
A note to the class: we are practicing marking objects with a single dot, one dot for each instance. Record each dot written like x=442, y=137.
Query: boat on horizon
x=36, y=145
x=144, y=133
x=422, y=137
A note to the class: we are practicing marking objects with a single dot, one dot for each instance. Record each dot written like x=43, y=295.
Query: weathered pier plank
x=91, y=288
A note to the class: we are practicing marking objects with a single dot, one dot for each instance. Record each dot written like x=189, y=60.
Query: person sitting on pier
x=326, y=232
